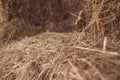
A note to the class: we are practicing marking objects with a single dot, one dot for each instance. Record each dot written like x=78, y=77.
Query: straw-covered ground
x=38, y=39
x=58, y=56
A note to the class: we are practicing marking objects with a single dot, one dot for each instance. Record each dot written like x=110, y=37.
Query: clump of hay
x=49, y=57
x=97, y=18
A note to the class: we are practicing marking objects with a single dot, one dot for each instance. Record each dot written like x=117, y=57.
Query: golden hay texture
x=49, y=57
x=97, y=18
x=85, y=47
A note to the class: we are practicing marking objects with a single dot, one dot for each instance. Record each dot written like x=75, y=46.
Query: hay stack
x=97, y=18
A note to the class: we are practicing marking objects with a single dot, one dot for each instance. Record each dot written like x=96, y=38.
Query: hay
x=101, y=18
x=90, y=53
x=56, y=58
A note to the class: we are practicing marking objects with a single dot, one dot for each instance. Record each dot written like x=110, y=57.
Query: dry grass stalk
x=79, y=76
x=79, y=17
x=104, y=44
x=97, y=50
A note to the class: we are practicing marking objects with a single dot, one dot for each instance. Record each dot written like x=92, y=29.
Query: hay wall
x=42, y=12
x=34, y=16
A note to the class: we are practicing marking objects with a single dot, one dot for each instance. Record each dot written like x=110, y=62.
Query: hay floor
x=56, y=56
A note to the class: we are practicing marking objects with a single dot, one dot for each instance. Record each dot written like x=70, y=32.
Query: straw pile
x=97, y=18
x=49, y=57
x=85, y=47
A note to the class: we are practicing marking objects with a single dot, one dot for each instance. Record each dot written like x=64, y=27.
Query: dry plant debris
x=54, y=56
